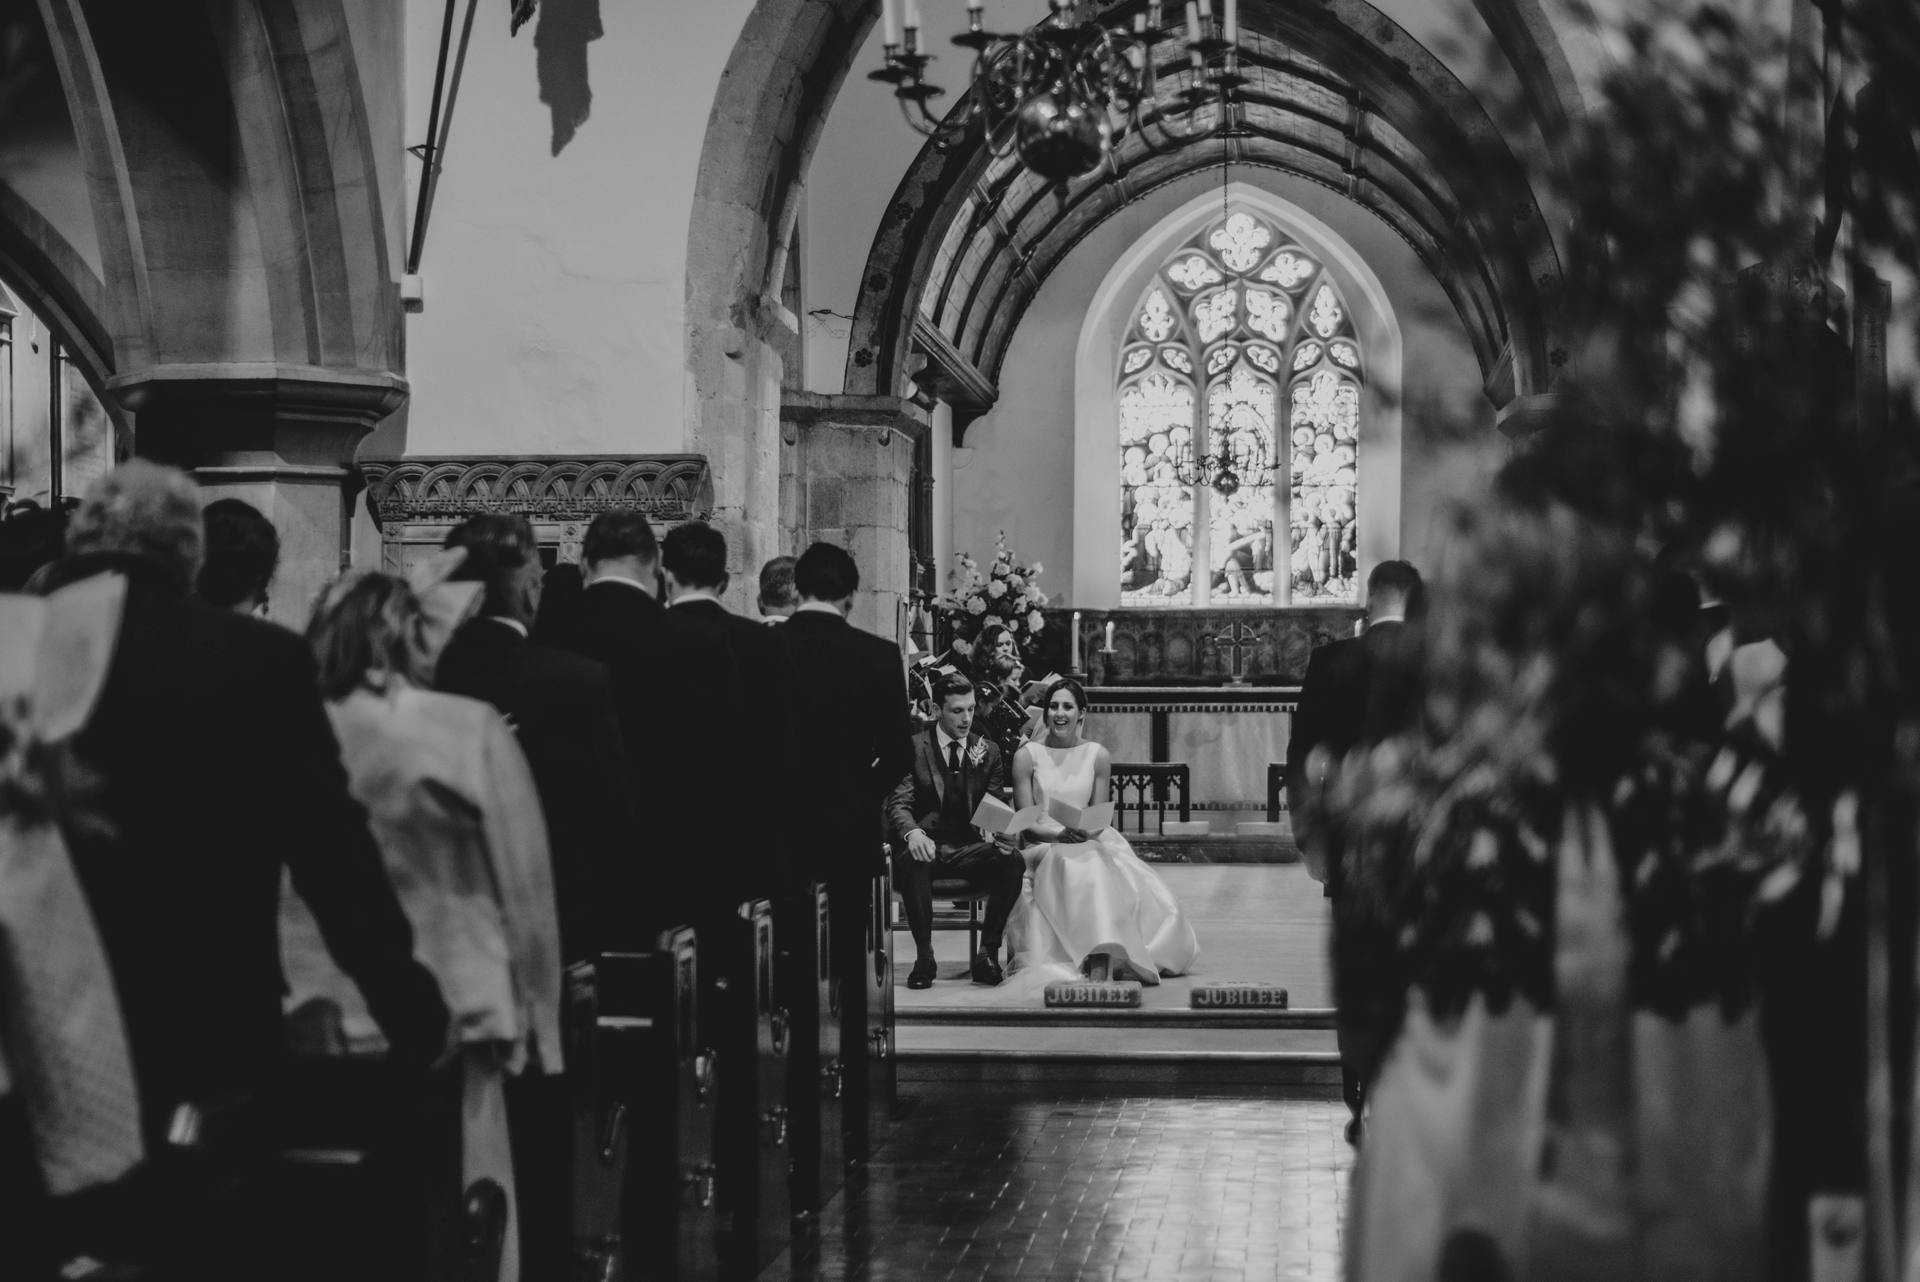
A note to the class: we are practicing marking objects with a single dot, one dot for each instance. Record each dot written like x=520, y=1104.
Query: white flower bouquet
x=1005, y=593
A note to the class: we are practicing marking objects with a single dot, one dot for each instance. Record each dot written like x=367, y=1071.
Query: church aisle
x=976, y=1186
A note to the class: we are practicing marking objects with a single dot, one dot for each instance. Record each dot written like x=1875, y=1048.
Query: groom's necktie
x=953, y=808
x=953, y=758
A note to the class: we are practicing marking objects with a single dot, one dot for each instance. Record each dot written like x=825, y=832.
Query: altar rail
x=1213, y=647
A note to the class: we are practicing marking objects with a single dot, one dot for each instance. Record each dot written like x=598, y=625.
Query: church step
x=1136, y=1018
x=1291, y=1073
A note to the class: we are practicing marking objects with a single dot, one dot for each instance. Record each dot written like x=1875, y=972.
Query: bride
x=1091, y=895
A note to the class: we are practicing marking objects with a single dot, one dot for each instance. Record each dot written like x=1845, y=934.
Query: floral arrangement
x=1007, y=593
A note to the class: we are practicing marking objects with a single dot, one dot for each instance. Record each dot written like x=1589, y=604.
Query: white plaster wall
x=555, y=285
x=1016, y=470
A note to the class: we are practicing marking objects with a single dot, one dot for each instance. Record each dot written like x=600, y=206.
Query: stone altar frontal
x=1226, y=735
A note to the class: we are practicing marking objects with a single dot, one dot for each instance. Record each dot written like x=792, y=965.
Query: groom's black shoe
x=986, y=970
x=923, y=974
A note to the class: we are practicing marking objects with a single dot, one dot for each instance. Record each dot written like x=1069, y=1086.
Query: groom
x=931, y=813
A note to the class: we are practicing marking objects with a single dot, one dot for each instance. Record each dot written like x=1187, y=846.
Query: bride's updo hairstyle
x=1070, y=686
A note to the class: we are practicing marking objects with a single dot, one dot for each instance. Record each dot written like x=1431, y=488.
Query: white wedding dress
x=1093, y=896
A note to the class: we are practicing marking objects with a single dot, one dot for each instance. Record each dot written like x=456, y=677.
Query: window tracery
x=1241, y=349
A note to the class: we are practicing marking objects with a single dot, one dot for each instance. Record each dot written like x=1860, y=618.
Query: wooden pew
x=816, y=1080
x=753, y=1039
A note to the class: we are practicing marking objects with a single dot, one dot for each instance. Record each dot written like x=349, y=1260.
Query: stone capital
x=272, y=417
x=804, y=410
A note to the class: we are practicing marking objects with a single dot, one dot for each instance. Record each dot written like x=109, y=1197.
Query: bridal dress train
x=1092, y=896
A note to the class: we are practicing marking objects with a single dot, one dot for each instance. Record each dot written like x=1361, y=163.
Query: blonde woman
x=453, y=807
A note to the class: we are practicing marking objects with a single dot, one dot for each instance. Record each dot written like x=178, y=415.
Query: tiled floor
x=970, y=1186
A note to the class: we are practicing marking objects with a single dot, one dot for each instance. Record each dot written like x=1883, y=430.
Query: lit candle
x=1193, y=22
x=1233, y=22
x=1073, y=661
x=889, y=24
x=1109, y=636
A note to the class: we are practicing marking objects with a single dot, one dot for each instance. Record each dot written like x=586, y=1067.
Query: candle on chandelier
x=913, y=15
x=889, y=23
x=1193, y=22
x=1233, y=22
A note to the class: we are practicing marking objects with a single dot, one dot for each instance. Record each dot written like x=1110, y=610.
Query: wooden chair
x=1137, y=785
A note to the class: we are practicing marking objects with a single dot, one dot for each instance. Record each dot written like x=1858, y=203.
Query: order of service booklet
x=996, y=818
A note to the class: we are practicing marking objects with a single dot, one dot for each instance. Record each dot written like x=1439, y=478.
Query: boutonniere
x=978, y=752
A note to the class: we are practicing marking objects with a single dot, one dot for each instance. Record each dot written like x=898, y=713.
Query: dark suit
x=1357, y=692
x=850, y=694
x=561, y=708
x=939, y=801
x=218, y=767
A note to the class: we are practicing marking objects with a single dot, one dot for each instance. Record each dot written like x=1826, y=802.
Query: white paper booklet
x=55, y=651
x=997, y=819
x=1088, y=819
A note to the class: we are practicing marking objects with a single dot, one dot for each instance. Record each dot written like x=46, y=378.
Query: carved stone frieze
x=415, y=501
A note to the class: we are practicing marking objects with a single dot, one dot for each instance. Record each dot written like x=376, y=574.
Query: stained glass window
x=1240, y=366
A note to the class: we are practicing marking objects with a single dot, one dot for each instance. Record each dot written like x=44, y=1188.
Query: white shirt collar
x=598, y=579
x=695, y=594
x=943, y=739
x=506, y=622
x=819, y=607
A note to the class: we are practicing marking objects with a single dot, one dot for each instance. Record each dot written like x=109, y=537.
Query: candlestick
x=889, y=22
x=1109, y=646
x=1073, y=657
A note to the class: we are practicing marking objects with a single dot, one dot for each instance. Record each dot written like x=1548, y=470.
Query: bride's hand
x=1073, y=837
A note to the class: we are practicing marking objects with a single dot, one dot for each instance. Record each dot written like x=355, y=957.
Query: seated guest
x=218, y=768
x=778, y=597
x=458, y=820
x=999, y=715
x=932, y=819
x=560, y=706
x=243, y=550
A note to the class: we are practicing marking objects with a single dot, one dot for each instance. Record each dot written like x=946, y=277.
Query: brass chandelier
x=1064, y=92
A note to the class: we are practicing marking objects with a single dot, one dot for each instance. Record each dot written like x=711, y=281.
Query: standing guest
x=999, y=714
x=753, y=682
x=931, y=811
x=778, y=597
x=218, y=768
x=243, y=550
x=1357, y=692
x=619, y=621
x=560, y=706
x=853, y=703
x=557, y=620
x=458, y=820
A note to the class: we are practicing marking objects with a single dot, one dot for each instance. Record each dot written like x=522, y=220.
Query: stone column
x=280, y=437
x=852, y=466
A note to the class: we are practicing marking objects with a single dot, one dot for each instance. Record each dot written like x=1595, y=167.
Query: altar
x=1214, y=689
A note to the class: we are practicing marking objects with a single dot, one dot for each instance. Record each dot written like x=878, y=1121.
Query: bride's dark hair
x=1070, y=685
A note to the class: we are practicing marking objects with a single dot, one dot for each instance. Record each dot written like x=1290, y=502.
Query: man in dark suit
x=931, y=812
x=561, y=708
x=755, y=685
x=852, y=698
x=1357, y=692
x=218, y=767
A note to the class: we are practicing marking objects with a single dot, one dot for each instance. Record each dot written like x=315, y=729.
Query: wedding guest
x=556, y=622
x=31, y=537
x=749, y=678
x=243, y=550
x=778, y=597
x=1357, y=692
x=999, y=713
x=619, y=622
x=853, y=704
x=458, y=821
x=931, y=813
x=560, y=706
x=218, y=768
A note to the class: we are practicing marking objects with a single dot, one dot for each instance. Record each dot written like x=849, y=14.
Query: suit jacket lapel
x=930, y=749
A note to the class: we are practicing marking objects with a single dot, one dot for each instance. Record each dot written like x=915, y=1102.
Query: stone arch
x=1414, y=147
x=768, y=113
x=48, y=274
